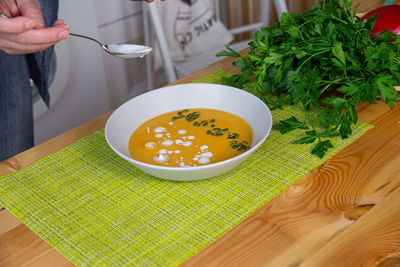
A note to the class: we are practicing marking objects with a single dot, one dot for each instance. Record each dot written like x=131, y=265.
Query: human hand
x=24, y=32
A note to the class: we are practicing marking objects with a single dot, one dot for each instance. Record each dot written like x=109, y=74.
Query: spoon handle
x=86, y=37
x=4, y=16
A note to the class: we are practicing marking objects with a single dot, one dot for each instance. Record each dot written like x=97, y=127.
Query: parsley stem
x=362, y=30
x=304, y=23
x=326, y=50
x=335, y=18
x=345, y=74
x=330, y=82
x=326, y=87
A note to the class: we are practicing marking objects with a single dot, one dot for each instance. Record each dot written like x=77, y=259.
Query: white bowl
x=138, y=110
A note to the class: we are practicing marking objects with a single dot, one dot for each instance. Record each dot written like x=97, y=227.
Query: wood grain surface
x=344, y=213
x=299, y=225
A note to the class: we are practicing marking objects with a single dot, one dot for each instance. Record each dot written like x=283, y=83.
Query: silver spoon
x=119, y=50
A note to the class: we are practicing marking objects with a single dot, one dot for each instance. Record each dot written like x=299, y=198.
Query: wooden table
x=344, y=213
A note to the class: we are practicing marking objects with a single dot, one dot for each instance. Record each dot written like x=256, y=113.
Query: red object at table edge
x=388, y=19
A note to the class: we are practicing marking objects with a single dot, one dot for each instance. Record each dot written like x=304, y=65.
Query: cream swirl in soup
x=190, y=138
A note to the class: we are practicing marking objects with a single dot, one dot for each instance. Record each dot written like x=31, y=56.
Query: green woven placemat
x=97, y=209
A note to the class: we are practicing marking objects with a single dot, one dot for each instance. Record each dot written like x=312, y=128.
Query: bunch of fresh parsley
x=306, y=57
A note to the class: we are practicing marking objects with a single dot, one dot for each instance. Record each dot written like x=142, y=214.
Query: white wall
x=120, y=21
x=83, y=94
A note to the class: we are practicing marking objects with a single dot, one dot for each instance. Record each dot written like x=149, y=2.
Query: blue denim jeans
x=16, y=116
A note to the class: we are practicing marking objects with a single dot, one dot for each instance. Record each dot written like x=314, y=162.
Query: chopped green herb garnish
x=241, y=147
x=233, y=135
x=180, y=115
x=192, y=116
x=215, y=132
x=204, y=123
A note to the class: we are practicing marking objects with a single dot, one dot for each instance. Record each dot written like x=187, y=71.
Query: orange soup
x=190, y=137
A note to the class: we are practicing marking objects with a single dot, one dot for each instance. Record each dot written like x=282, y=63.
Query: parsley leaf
x=290, y=124
x=321, y=147
x=386, y=85
x=229, y=52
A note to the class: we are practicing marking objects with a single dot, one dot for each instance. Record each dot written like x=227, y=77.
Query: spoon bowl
x=127, y=50
x=120, y=50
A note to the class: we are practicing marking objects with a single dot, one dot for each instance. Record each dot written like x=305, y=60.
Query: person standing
x=26, y=47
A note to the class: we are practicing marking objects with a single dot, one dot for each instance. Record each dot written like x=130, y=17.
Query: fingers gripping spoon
x=119, y=50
